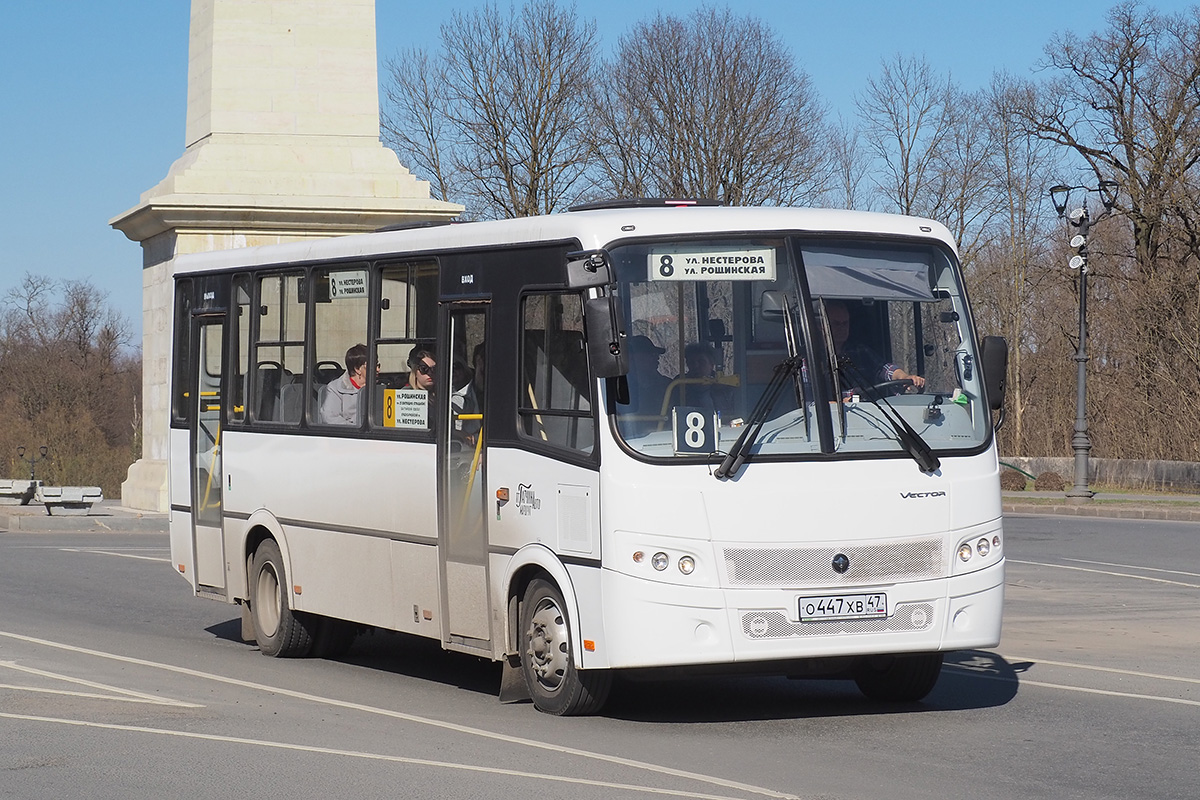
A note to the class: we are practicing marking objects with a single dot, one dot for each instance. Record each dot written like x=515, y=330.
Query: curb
x=100, y=520
x=1164, y=511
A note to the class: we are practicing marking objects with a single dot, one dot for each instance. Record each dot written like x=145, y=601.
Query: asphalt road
x=116, y=683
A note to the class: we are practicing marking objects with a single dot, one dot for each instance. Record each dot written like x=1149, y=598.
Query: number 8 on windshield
x=695, y=430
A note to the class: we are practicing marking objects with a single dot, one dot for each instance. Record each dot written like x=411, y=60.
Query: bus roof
x=591, y=228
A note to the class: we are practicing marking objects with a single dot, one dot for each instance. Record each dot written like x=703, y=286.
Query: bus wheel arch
x=548, y=656
x=280, y=632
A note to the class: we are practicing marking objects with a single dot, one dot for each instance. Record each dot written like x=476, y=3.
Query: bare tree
x=414, y=123
x=1128, y=104
x=905, y=117
x=850, y=169
x=71, y=382
x=712, y=106
x=496, y=119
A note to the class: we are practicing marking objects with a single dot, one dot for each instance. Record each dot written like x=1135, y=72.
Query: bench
x=17, y=492
x=70, y=498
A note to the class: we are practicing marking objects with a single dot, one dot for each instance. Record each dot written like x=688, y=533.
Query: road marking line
x=436, y=723
x=1104, y=572
x=419, y=762
x=1024, y=682
x=1115, y=670
x=128, y=693
x=1135, y=566
x=110, y=553
x=89, y=695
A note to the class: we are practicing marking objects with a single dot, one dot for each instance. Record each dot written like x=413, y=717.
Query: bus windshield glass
x=832, y=345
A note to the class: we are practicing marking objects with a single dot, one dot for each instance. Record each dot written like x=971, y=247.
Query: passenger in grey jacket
x=339, y=398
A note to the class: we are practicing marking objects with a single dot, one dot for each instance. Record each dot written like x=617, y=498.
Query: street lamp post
x=1079, y=218
x=32, y=460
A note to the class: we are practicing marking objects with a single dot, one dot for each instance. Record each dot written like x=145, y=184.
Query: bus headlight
x=687, y=565
x=659, y=561
x=964, y=552
x=983, y=546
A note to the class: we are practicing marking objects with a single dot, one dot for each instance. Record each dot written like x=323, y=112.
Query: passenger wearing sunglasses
x=421, y=369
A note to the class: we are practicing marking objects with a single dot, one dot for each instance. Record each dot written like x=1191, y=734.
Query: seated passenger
x=339, y=398
x=647, y=386
x=701, y=365
x=421, y=366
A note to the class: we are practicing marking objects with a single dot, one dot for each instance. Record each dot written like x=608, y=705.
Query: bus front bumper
x=656, y=624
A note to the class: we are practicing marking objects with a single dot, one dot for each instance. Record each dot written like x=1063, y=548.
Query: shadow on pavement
x=974, y=679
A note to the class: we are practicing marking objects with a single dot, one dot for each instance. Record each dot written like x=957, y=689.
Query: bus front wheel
x=547, y=661
x=898, y=679
x=279, y=632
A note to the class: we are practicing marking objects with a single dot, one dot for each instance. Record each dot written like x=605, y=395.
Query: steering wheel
x=888, y=388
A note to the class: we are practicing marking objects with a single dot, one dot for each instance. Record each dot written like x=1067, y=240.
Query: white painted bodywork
x=370, y=553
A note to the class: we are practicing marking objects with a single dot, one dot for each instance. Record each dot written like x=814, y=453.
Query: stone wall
x=1171, y=476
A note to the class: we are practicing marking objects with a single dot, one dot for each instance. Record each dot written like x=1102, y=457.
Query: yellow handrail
x=462, y=510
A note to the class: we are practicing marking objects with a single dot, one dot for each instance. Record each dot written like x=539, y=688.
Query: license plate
x=843, y=606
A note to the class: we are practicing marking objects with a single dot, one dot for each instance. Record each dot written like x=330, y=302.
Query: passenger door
x=462, y=459
x=207, y=507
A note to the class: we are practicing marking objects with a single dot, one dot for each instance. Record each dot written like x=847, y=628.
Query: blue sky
x=93, y=96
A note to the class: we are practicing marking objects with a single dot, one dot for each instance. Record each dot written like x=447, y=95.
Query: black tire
x=899, y=679
x=332, y=638
x=279, y=632
x=547, y=661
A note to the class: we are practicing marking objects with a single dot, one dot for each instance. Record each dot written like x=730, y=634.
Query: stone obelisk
x=282, y=143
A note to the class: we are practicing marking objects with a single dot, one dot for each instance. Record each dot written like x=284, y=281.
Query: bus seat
x=291, y=401
x=268, y=377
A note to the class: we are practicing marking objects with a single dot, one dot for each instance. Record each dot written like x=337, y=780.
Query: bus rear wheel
x=898, y=679
x=547, y=661
x=279, y=632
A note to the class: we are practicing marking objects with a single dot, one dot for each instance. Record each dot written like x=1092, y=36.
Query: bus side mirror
x=588, y=269
x=995, y=370
x=605, y=337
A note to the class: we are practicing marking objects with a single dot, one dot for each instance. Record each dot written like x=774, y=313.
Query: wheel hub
x=547, y=649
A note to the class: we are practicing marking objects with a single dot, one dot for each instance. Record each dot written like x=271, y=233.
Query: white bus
x=625, y=437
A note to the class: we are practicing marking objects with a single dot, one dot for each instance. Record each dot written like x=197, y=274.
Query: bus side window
x=340, y=307
x=181, y=396
x=555, y=406
x=241, y=318
x=279, y=345
x=407, y=317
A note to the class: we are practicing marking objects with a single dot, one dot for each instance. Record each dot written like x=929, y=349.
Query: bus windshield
x=833, y=345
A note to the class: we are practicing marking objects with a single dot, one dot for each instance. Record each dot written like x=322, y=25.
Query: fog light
x=687, y=565
x=964, y=552
x=983, y=546
x=659, y=561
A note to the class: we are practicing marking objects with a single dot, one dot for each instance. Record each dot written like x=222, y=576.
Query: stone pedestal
x=282, y=143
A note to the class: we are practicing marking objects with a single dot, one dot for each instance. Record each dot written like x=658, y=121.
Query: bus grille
x=775, y=624
x=909, y=560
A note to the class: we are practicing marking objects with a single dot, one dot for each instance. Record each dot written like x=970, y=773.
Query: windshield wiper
x=912, y=442
x=737, y=454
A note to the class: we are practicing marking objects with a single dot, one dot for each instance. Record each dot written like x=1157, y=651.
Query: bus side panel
x=351, y=509
x=179, y=494
x=556, y=505
x=976, y=496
